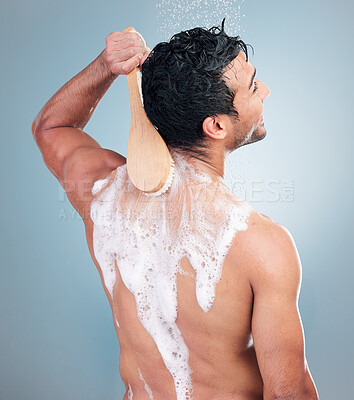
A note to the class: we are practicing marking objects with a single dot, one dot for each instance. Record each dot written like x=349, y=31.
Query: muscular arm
x=276, y=323
x=75, y=158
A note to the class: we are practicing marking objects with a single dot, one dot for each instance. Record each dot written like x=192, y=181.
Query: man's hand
x=75, y=158
x=125, y=51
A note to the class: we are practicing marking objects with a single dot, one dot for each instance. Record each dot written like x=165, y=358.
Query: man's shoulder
x=83, y=168
x=265, y=245
x=263, y=230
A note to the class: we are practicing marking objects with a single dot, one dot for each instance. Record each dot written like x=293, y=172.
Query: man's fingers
x=126, y=54
x=129, y=65
x=121, y=36
x=125, y=51
x=118, y=58
x=124, y=43
x=145, y=56
x=141, y=38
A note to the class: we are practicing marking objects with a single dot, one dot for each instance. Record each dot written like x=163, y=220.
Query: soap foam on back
x=146, y=386
x=146, y=237
x=130, y=393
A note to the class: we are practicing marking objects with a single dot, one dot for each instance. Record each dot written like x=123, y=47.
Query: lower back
x=222, y=359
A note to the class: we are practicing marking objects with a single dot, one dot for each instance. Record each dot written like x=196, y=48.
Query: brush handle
x=148, y=158
x=138, y=115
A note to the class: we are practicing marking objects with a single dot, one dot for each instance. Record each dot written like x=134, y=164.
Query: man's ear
x=215, y=127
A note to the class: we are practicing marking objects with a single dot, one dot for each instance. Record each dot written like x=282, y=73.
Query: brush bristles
x=168, y=182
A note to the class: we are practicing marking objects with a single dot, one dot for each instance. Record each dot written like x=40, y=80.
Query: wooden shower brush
x=150, y=166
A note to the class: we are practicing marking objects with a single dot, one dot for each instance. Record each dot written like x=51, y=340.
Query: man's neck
x=214, y=166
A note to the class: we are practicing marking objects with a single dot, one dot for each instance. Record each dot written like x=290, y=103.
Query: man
x=247, y=343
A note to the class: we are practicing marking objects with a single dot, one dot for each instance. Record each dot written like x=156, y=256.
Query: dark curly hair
x=182, y=85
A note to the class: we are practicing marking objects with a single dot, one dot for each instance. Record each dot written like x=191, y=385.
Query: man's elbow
x=37, y=126
x=38, y=133
x=33, y=128
x=34, y=132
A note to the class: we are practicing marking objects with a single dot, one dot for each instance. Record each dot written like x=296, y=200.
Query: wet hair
x=182, y=85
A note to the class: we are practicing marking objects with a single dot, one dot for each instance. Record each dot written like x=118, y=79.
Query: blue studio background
x=57, y=339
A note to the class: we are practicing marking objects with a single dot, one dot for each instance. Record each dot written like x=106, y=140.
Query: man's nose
x=264, y=92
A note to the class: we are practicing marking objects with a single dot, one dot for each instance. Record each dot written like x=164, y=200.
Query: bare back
x=221, y=355
x=221, y=351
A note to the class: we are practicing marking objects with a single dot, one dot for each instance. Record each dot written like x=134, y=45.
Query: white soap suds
x=130, y=392
x=146, y=237
x=147, y=388
x=98, y=185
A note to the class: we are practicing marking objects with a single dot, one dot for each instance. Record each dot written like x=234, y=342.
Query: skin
x=258, y=292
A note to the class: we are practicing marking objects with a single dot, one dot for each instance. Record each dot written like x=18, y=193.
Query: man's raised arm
x=276, y=324
x=69, y=152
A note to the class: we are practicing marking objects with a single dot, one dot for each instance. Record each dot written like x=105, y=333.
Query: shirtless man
x=250, y=344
